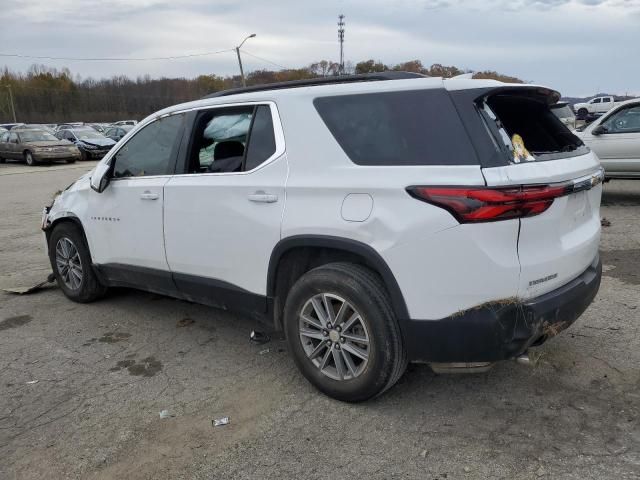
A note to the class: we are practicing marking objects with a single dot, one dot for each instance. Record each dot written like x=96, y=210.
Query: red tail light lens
x=471, y=205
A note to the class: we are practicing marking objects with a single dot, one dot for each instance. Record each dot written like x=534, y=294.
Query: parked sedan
x=116, y=133
x=92, y=145
x=615, y=138
x=35, y=146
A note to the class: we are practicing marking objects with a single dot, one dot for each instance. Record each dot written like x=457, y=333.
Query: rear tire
x=2, y=160
x=332, y=358
x=583, y=112
x=71, y=160
x=28, y=158
x=83, y=155
x=71, y=263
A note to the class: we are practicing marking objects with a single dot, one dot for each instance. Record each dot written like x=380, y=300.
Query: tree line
x=48, y=95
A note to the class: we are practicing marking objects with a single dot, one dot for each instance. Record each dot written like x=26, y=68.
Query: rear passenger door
x=223, y=212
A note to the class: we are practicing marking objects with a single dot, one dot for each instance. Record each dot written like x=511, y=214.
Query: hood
x=50, y=143
x=99, y=142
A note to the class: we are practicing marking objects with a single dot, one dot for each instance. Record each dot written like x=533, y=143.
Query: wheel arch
x=293, y=256
x=68, y=218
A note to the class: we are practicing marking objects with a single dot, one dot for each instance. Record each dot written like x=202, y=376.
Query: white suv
x=377, y=219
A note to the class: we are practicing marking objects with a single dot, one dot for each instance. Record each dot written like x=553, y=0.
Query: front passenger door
x=126, y=231
x=619, y=146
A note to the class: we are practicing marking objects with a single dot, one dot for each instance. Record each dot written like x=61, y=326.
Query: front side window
x=626, y=120
x=5, y=137
x=13, y=138
x=232, y=140
x=597, y=100
x=151, y=151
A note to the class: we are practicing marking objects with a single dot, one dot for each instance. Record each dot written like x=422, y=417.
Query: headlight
x=88, y=147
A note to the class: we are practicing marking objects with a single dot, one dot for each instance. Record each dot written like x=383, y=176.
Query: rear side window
x=418, y=127
x=262, y=142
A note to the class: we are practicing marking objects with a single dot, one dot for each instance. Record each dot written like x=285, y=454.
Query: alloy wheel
x=334, y=336
x=69, y=263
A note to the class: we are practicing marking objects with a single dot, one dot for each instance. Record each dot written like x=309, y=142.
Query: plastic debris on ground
x=219, y=422
x=259, y=337
x=604, y=222
x=32, y=382
x=264, y=352
x=166, y=414
x=34, y=288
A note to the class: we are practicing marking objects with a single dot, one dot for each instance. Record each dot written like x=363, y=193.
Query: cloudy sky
x=576, y=46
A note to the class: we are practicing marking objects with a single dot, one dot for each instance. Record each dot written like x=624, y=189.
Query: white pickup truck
x=597, y=106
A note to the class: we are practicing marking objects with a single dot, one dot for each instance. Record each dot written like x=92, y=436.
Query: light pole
x=244, y=84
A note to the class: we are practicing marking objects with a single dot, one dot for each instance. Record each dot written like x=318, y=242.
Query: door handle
x=262, y=197
x=149, y=196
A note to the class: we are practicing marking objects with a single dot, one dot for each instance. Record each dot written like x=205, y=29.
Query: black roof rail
x=364, y=77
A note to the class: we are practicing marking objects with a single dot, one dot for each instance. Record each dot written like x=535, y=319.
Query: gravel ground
x=81, y=386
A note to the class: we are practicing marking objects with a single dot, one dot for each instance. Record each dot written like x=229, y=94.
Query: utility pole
x=13, y=108
x=341, y=40
x=244, y=83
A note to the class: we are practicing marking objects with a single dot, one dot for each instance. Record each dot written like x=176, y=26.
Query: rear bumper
x=501, y=330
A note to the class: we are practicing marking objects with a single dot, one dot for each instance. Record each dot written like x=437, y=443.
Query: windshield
x=37, y=136
x=87, y=134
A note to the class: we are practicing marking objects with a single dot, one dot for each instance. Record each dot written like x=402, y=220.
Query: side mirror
x=599, y=130
x=100, y=177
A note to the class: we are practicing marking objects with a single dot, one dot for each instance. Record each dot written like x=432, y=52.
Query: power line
x=114, y=59
x=264, y=60
x=87, y=91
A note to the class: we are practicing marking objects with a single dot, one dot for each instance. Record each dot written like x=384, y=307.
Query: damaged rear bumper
x=501, y=330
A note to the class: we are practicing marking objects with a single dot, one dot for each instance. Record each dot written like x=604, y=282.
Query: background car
x=563, y=111
x=92, y=145
x=116, y=133
x=615, y=138
x=9, y=126
x=36, y=146
x=125, y=122
x=65, y=126
x=34, y=126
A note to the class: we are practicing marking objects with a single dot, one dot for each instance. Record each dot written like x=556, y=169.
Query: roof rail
x=364, y=77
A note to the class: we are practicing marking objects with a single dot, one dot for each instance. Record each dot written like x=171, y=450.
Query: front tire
x=71, y=160
x=343, y=333
x=583, y=112
x=71, y=263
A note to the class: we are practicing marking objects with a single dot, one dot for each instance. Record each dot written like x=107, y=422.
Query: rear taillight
x=471, y=205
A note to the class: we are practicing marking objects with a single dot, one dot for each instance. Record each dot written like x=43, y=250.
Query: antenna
x=341, y=40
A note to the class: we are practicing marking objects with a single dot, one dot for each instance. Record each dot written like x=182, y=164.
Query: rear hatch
x=541, y=159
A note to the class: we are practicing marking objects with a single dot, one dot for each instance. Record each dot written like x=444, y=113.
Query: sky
x=579, y=47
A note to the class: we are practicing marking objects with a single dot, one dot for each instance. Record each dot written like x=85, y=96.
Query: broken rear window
x=528, y=128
